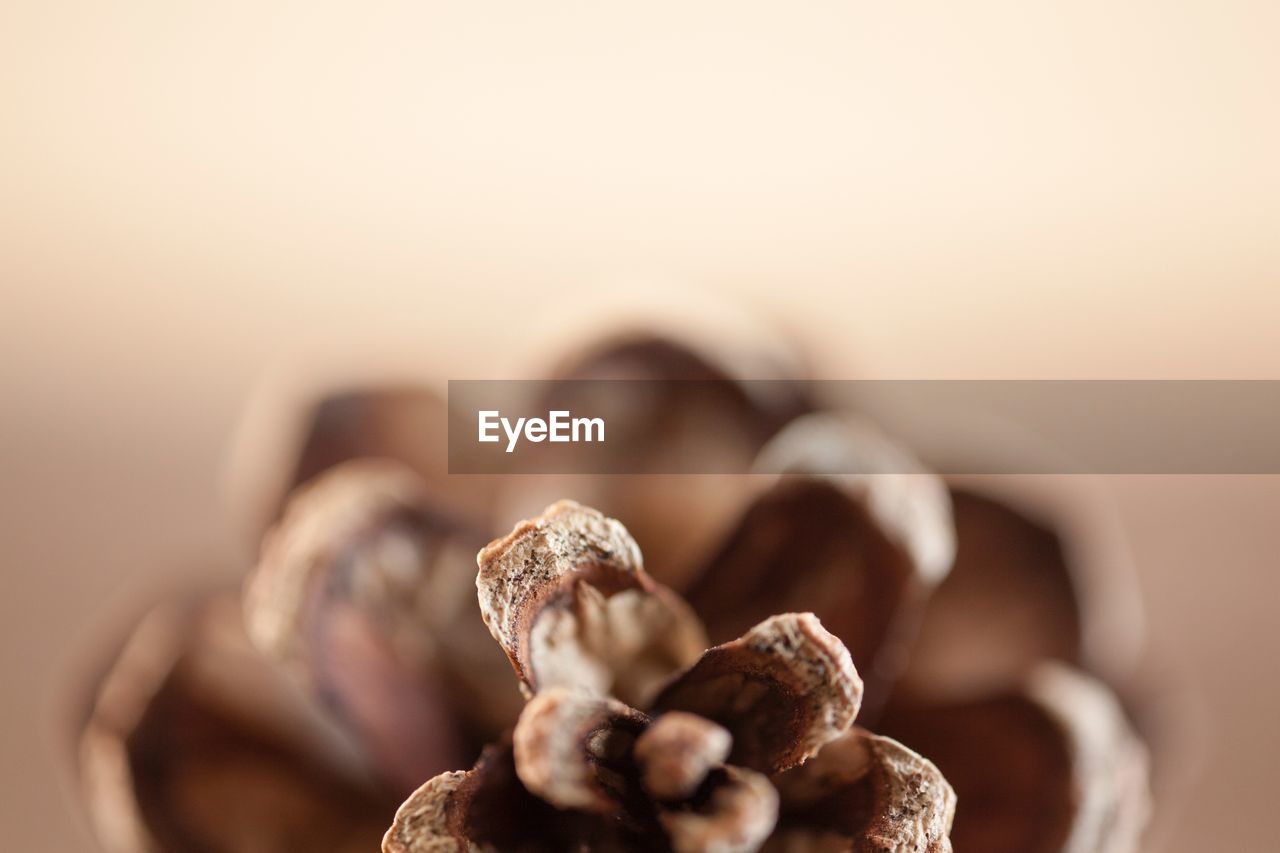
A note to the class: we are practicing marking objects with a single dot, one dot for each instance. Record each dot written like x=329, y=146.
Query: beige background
x=194, y=194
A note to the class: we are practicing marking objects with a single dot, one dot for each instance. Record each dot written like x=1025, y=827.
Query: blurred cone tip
x=738, y=341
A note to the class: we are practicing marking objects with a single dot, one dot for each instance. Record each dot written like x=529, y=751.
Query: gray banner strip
x=632, y=426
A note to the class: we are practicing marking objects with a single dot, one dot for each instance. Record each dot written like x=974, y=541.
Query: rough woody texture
x=194, y=743
x=736, y=815
x=567, y=747
x=677, y=751
x=487, y=809
x=585, y=770
x=782, y=690
x=567, y=598
x=583, y=753
x=621, y=732
x=580, y=754
x=422, y=821
x=865, y=794
x=861, y=549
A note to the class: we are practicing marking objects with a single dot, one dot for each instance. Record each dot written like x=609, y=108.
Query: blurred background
x=197, y=197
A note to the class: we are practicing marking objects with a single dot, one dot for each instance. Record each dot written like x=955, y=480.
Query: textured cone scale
x=837, y=652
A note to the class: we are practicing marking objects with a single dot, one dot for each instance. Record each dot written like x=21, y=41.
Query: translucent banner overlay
x=642, y=426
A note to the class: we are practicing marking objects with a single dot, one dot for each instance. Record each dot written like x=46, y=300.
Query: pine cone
x=816, y=662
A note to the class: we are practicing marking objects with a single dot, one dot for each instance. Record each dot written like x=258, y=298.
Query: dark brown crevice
x=488, y=806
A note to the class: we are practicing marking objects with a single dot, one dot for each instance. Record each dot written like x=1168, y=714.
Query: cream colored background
x=192, y=193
